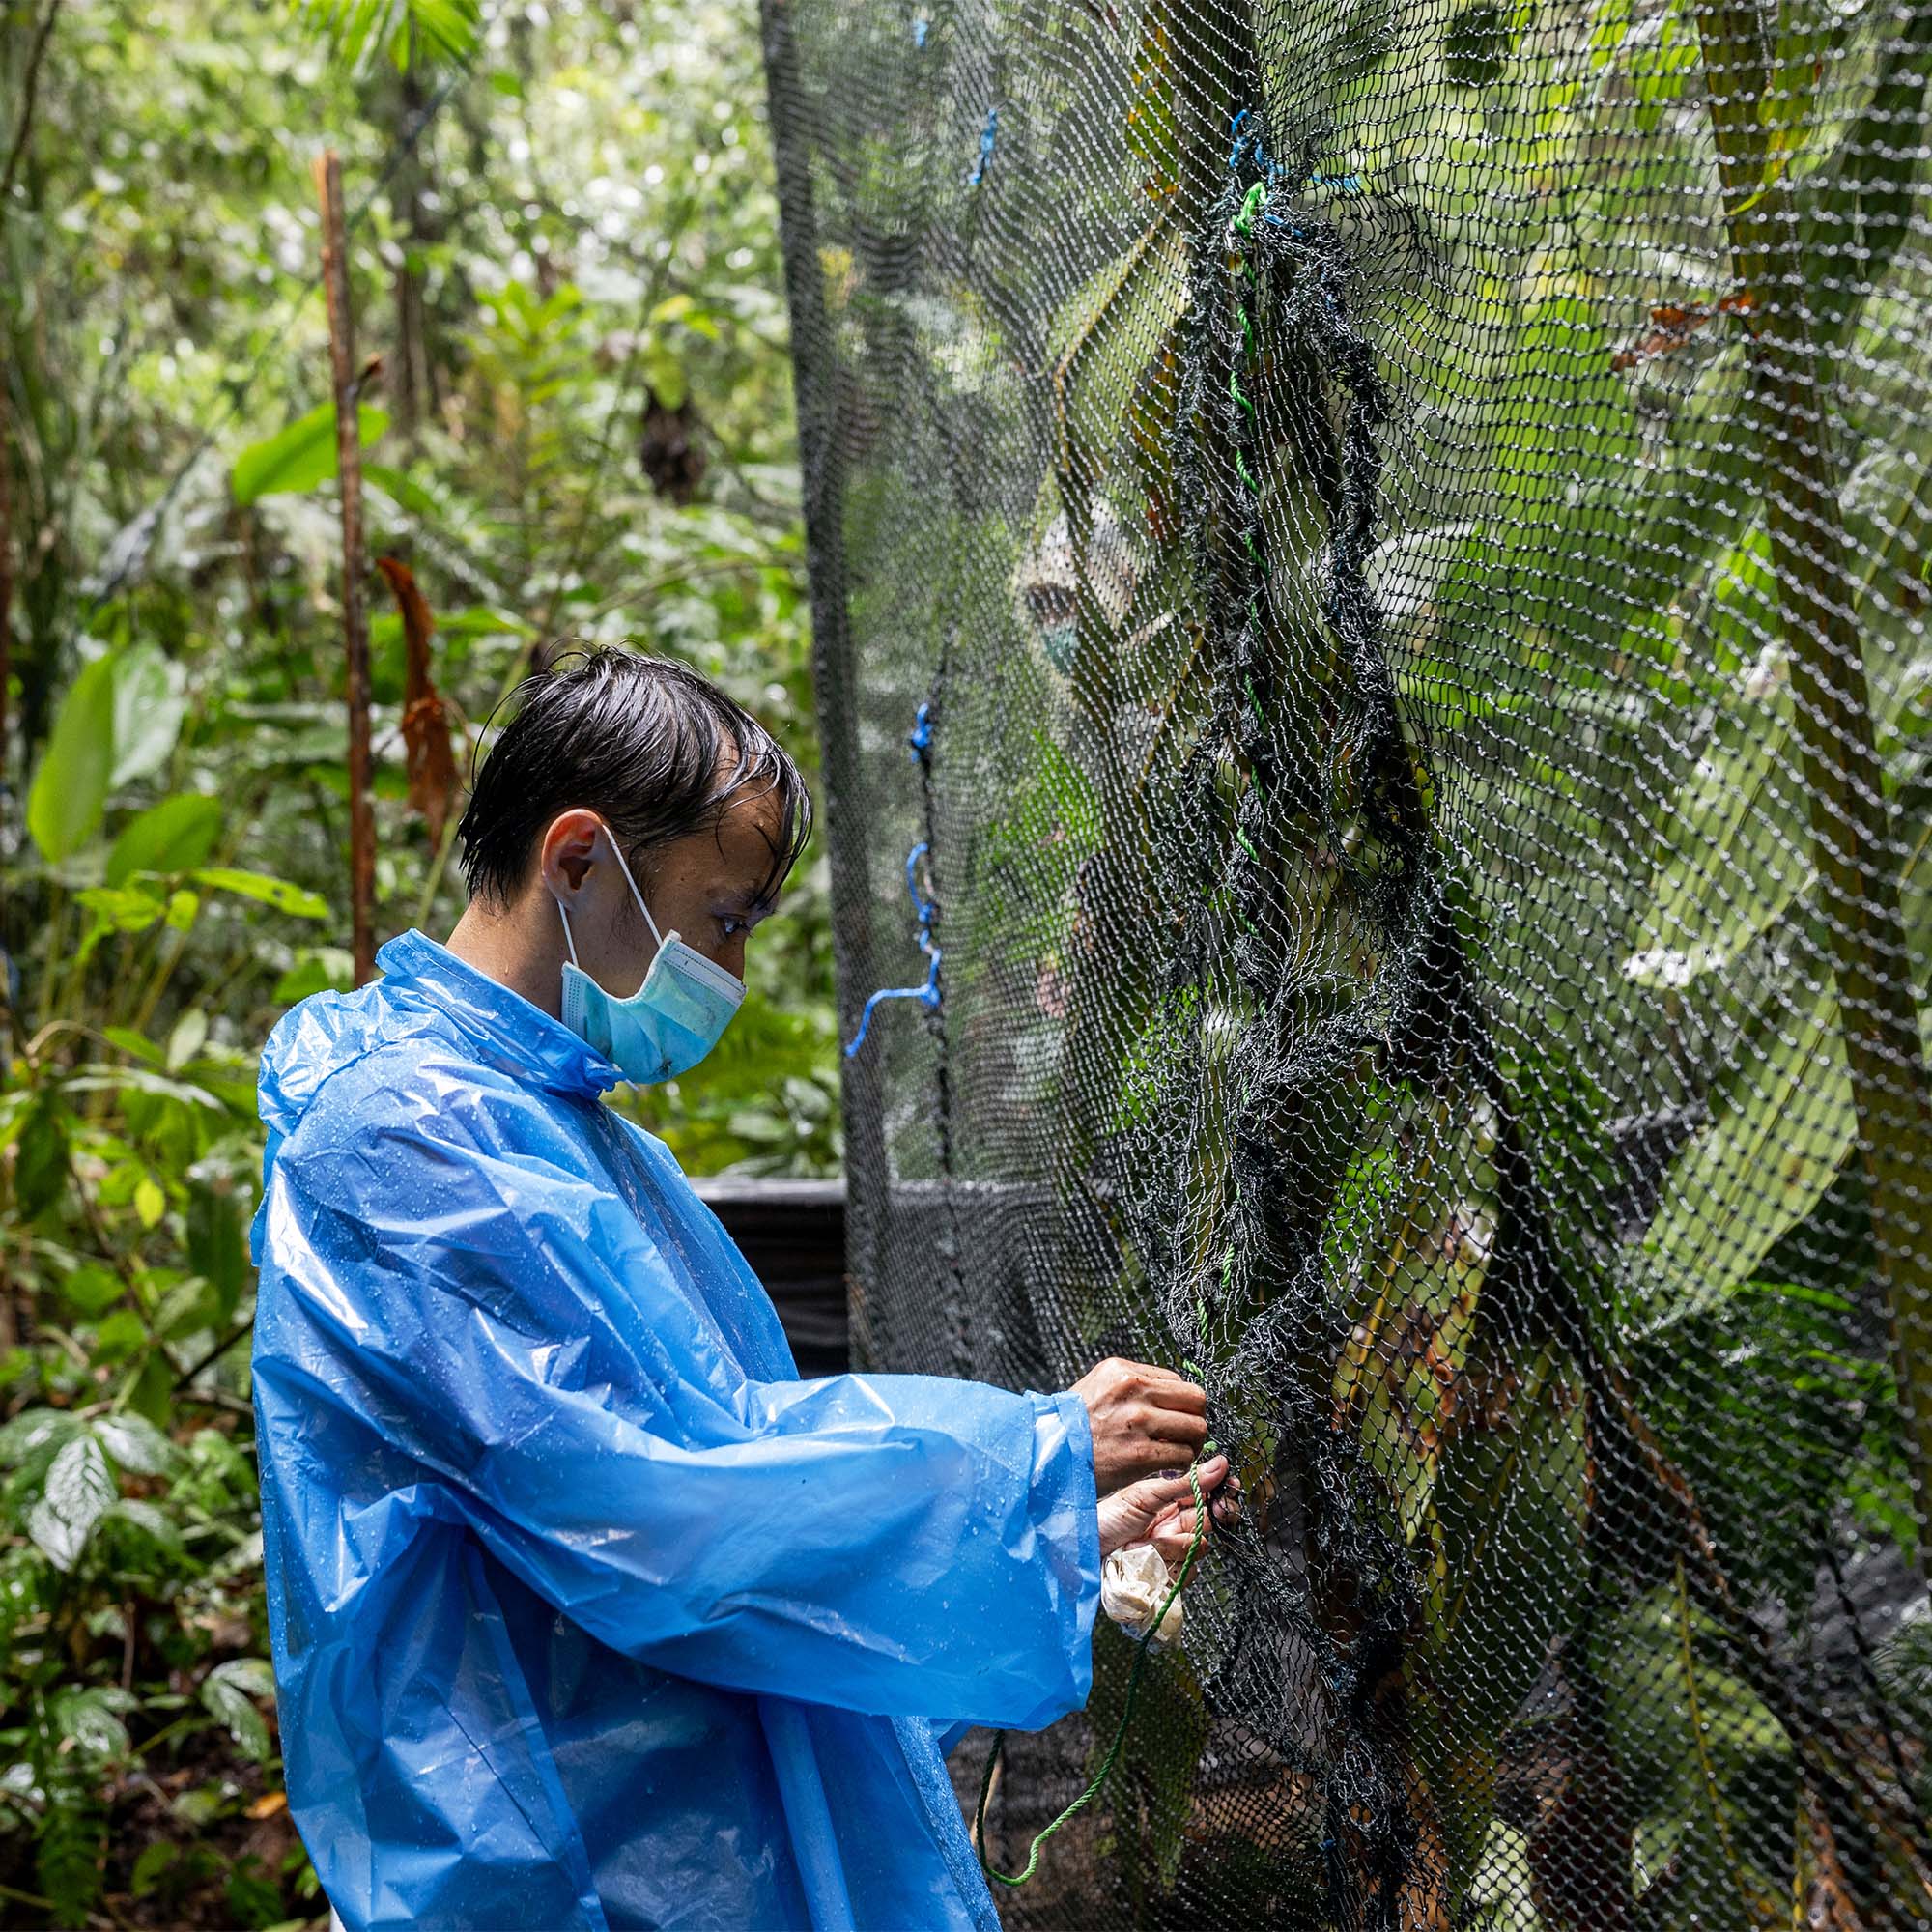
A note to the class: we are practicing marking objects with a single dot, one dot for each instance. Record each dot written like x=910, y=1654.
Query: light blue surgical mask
x=671, y=1022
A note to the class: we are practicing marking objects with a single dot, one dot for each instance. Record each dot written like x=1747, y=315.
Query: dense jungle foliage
x=563, y=251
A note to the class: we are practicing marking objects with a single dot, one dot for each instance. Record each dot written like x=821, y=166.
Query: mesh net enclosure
x=1369, y=567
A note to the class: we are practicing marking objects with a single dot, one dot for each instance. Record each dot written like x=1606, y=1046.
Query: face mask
x=670, y=1023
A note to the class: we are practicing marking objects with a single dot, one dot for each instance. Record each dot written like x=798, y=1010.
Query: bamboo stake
x=1851, y=839
x=355, y=618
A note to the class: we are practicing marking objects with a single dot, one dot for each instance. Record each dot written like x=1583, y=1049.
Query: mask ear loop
x=569, y=938
x=624, y=868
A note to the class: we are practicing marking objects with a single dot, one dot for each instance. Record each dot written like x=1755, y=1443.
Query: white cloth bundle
x=1134, y=1583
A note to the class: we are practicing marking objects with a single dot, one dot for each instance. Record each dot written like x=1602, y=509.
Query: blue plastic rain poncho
x=586, y=1611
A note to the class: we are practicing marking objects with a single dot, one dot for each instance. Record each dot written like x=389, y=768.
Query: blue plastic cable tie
x=925, y=910
x=987, y=136
x=1235, y=135
x=921, y=736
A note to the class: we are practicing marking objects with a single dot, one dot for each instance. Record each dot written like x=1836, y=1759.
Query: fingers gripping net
x=1409, y=527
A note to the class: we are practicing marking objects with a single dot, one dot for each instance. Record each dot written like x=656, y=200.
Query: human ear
x=568, y=851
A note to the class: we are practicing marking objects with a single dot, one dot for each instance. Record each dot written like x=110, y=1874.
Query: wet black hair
x=655, y=750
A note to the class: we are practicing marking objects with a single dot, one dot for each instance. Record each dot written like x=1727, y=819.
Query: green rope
x=1113, y=1756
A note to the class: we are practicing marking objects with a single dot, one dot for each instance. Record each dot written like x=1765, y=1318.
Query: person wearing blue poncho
x=585, y=1610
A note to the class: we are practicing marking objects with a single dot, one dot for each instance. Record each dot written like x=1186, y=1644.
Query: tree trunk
x=1851, y=843
x=355, y=617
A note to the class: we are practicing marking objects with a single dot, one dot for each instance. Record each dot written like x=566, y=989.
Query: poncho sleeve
x=450, y=1270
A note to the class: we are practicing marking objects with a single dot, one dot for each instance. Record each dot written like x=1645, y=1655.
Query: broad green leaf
x=1734, y=853
x=1511, y=1478
x=119, y=1335
x=1710, y=1764
x=70, y=790
x=1107, y=332
x=231, y=1691
x=217, y=1244
x=1779, y=1131
x=40, y=1168
x=301, y=456
x=91, y=1290
x=79, y=1489
x=173, y=837
x=117, y=909
x=149, y=705
x=95, y=1078
x=1476, y=47
x=137, y=1045
x=136, y=1444
x=190, y=1036
x=266, y=889
x=36, y=1432
x=87, y=1722
x=189, y=1307
x=152, y=1522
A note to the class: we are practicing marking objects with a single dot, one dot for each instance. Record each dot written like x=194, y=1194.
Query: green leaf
x=153, y=1863
x=136, y=1444
x=301, y=456
x=231, y=1691
x=217, y=1245
x=1507, y=1480
x=1106, y=332
x=1711, y=1762
x=1734, y=844
x=173, y=837
x=149, y=1519
x=90, y=1289
x=36, y=1432
x=150, y=1201
x=188, y=1038
x=136, y=1045
x=40, y=1168
x=266, y=889
x=117, y=909
x=70, y=790
x=1778, y=1133
x=411, y=29
x=149, y=705
x=119, y=1335
x=87, y=1723
x=1476, y=47
x=94, y=1078
x=79, y=1490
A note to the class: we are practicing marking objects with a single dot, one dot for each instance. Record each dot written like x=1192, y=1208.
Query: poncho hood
x=421, y=982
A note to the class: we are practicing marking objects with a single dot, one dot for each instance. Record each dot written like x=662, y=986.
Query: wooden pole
x=355, y=618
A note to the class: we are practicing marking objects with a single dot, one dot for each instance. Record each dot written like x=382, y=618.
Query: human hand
x=1144, y=1420
x=1160, y=1510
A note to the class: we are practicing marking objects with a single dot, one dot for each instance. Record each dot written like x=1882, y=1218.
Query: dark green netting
x=1399, y=535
